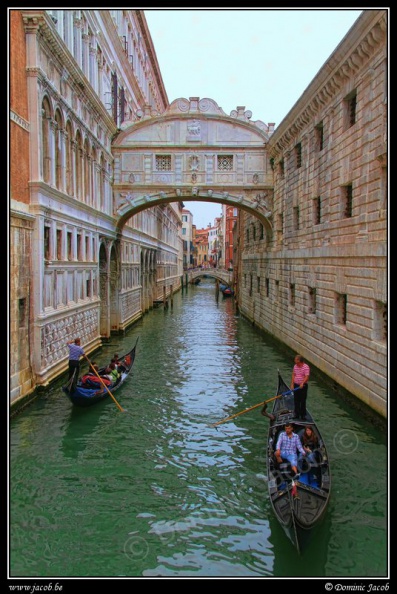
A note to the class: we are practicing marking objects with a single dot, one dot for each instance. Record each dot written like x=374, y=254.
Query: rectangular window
x=88, y=285
x=340, y=308
x=184, y=218
x=347, y=197
x=59, y=245
x=69, y=246
x=47, y=235
x=319, y=132
x=163, y=162
x=224, y=162
x=380, y=321
x=316, y=210
x=22, y=312
x=350, y=105
x=296, y=218
x=312, y=300
x=261, y=231
x=277, y=290
x=281, y=168
x=298, y=155
x=87, y=248
x=250, y=289
x=280, y=223
x=79, y=255
x=292, y=294
x=258, y=284
x=267, y=282
x=184, y=231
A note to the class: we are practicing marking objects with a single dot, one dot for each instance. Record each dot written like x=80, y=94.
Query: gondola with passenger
x=95, y=387
x=298, y=501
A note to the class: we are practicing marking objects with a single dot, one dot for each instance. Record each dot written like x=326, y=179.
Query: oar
x=104, y=385
x=252, y=407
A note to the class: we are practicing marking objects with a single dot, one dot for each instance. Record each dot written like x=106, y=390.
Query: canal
x=157, y=491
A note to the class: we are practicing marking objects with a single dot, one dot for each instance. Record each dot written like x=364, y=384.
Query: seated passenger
x=113, y=372
x=288, y=443
x=310, y=443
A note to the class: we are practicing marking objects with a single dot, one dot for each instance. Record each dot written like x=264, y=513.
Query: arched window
x=69, y=159
x=58, y=150
x=87, y=190
x=79, y=166
x=45, y=139
x=102, y=185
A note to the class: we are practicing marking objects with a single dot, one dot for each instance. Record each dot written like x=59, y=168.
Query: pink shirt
x=300, y=373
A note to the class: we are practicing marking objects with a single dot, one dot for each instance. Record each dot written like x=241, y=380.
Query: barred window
x=163, y=162
x=224, y=162
x=298, y=155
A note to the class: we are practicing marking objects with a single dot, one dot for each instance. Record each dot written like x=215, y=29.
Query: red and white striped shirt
x=300, y=373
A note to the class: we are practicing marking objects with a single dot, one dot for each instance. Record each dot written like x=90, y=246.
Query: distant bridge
x=221, y=274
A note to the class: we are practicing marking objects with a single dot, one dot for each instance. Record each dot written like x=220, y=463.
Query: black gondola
x=299, y=503
x=90, y=391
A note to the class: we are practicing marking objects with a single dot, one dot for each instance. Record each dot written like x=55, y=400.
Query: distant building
x=187, y=238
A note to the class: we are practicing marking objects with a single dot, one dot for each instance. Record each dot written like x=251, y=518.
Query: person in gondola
x=76, y=351
x=287, y=447
x=310, y=444
x=119, y=364
x=300, y=379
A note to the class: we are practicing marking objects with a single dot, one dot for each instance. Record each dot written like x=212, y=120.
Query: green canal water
x=155, y=491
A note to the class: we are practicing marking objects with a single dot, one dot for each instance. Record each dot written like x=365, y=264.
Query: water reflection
x=158, y=491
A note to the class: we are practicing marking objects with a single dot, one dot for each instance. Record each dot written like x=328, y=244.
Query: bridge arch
x=194, y=151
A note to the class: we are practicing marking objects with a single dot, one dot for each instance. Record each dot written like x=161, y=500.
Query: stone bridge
x=221, y=274
x=194, y=151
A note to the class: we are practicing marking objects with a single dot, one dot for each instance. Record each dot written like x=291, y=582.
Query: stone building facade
x=77, y=78
x=101, y=166
x=318, y=282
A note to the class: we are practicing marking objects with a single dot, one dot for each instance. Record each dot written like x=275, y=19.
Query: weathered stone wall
x=320, y=284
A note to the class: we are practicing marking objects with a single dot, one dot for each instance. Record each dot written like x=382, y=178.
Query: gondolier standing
x=75, y=352
x=300, y=379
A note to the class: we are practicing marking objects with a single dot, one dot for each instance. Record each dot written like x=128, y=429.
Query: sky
x=261, y=59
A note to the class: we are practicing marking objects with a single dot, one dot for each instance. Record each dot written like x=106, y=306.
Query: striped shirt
x=75, y=352
x=300, y=373
x=289, y=445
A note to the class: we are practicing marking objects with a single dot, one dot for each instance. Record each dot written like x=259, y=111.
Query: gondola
x=226, y=290
x=300, y=502
x=89, y=391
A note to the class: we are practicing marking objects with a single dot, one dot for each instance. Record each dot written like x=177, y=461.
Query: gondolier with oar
x=300, y=379
x=76, y=351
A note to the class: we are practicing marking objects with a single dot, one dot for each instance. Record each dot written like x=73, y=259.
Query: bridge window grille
x=224, y=162
x=163, y=162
